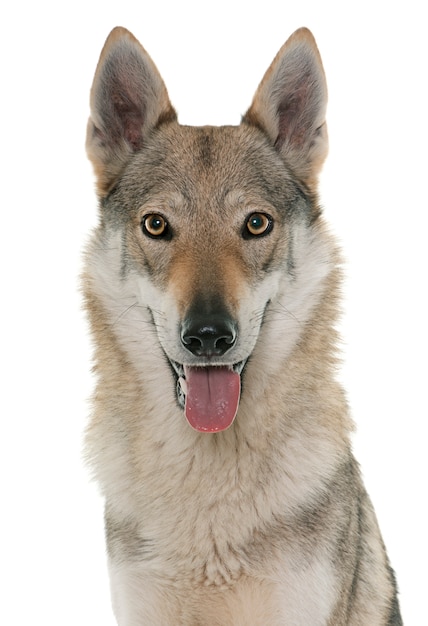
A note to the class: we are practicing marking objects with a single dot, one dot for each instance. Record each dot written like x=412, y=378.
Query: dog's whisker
x=124, y=312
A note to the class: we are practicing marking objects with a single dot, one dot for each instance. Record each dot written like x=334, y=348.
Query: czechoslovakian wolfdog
x=220, y=436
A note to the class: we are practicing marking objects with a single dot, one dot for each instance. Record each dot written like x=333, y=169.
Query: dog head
x=209, y=237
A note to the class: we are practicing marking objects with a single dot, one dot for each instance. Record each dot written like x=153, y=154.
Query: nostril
x=224, y=343
x=192, y=343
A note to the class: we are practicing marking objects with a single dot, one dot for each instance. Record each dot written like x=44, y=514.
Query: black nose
x=208, y=335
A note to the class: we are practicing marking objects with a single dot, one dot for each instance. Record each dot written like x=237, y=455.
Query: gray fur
x=266, y=522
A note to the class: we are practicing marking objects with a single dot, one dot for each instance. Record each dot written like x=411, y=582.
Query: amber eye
x=154, y=225
x=258, y=224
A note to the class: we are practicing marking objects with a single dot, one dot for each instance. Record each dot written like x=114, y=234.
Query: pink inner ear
x=130, y=117
x=291, y=113
x=133, y=132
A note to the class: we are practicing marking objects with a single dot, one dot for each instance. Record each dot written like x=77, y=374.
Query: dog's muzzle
x=209, y=388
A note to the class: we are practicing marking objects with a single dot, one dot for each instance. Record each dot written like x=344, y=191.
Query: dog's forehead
x=209, y=161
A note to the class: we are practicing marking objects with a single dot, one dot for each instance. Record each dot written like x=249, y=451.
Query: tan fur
x=185, y=287
x=266, y=522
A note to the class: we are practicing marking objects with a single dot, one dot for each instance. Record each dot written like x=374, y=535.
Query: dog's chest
x=200, y=511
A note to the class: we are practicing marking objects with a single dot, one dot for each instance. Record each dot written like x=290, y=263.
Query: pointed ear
x=128, y=100
x=290, y=104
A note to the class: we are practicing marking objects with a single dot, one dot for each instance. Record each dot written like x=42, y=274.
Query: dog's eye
x=258, y=224
x=154, y=225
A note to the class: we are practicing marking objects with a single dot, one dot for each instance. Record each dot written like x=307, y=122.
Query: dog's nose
x=207, y=337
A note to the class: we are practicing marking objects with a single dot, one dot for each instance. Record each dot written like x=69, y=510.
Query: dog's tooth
x=183, y=384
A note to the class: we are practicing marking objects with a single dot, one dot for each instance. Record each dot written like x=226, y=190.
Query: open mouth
x=209, y=395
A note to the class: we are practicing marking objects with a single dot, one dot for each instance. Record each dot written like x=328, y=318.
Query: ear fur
x=290, y=105
x=128, y=100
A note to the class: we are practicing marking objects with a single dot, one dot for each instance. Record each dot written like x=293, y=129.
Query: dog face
x=210, y=242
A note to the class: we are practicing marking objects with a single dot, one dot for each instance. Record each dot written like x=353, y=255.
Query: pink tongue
x=212, y=397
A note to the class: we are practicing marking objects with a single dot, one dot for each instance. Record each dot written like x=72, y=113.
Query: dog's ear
x=290, y=105
x=128, y=100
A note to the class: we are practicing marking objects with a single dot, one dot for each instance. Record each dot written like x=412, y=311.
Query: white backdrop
x=212, y=57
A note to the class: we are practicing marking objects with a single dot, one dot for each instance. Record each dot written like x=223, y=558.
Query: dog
x=220, y=435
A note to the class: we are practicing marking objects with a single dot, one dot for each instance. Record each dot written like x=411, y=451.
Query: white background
x=374, y=189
